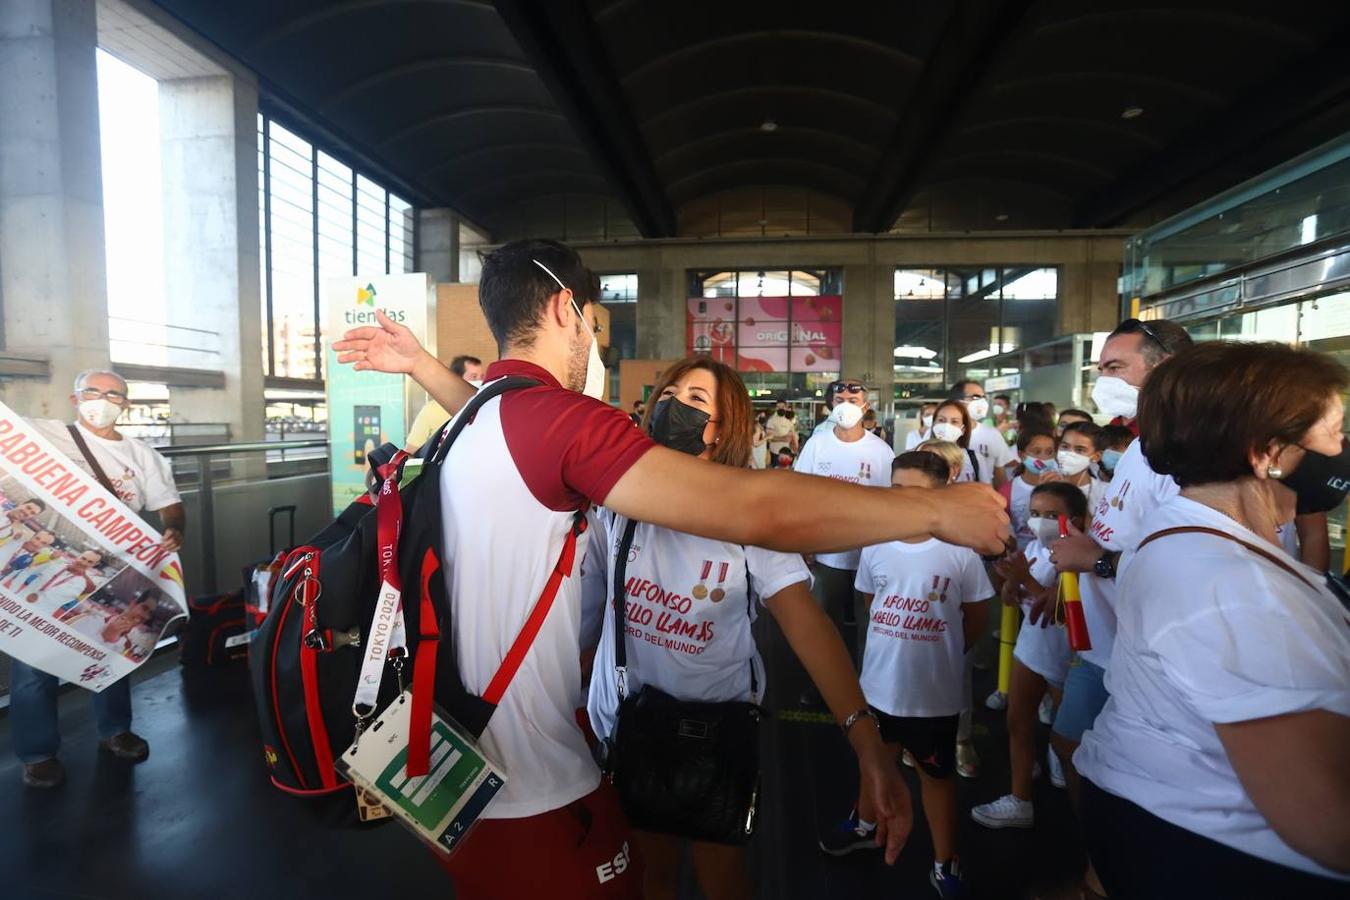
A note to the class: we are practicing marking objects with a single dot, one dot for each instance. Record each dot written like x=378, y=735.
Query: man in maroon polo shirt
x=510, y=487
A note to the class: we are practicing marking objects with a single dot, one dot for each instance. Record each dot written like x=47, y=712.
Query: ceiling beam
x=561, y=39
x=969, y=48
x=1318, y=85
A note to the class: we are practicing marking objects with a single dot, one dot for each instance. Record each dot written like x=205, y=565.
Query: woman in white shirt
x=689, y=606
x=1218, y=766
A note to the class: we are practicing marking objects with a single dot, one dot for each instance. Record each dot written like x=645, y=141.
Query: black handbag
x=682, y=768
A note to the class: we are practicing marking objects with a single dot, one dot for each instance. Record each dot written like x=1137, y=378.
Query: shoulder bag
x=683, y=768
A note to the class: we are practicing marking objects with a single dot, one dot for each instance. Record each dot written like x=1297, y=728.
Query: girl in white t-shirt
x=927, y=604
x=952, y=423
x=1074, y=461
x=689, y=606
x=1041, y=655
x=1037, y=450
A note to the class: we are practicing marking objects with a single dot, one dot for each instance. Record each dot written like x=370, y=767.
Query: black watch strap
x=1105, y=566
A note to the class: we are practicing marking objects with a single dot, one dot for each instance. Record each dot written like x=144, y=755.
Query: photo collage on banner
x=767, y=334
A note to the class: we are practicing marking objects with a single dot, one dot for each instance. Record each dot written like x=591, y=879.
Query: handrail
x=249, y=447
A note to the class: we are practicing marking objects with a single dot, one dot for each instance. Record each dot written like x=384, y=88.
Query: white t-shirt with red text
x=865, y=461
x=510, y=489
x=141, y=477
x=913, y=662
x=991, y=451
x=1122, y=518
x=691, y=647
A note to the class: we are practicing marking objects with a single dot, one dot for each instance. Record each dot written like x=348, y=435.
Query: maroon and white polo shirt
x=509, y=489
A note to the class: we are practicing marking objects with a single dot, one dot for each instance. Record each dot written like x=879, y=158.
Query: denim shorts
x=1084, y=697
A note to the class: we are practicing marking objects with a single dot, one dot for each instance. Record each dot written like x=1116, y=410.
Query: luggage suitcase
x=216, y=632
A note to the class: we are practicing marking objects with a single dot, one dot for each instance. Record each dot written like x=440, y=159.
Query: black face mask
x=679, y=426
x=1320, y=481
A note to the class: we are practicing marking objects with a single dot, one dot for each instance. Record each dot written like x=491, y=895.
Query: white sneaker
x=1056, y=768
x=1046, y=711
x=1005, y=812
x=996, y=701
x=908, y=759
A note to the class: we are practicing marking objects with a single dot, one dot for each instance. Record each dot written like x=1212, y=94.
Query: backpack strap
x=620, y=600
x=1200, y=529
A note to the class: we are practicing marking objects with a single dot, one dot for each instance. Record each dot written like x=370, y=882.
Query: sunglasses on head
x=1139, y=326
x=850, y=387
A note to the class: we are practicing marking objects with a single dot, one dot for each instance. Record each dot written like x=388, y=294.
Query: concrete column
x=52, y=279
x=438, y=244
x=208, y=146
x=869, y=328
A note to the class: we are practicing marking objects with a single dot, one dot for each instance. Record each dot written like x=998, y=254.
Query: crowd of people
x=1201, y=735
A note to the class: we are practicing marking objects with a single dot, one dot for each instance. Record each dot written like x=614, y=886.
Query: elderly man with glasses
x=142, y=479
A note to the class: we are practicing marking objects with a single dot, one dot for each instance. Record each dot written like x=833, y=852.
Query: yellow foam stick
x=1007, y=637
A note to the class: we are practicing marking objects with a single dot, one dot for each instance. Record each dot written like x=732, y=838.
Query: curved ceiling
x=944, y=115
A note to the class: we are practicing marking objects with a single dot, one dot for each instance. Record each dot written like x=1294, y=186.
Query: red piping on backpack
x=309, y=675
x=424, y=673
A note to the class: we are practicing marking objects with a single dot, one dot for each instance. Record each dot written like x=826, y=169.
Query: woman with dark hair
x=1218, y=766
x=688, y=609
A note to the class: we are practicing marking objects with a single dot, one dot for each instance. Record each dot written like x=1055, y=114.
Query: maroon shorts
x=580, y=851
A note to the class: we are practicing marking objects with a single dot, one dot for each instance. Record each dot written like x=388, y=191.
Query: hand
x=1050, y=477
x=1042, y=607
x=389, y=348
x=1075, y=553
x=1014, y=568
x=1009, y=594
x=880, y=781
x=172, y=540
x=972, y=515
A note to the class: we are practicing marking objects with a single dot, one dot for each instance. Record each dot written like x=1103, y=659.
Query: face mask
x=927, y=421
x=99, y=413
x=1320, y=481
x=679, y=426
x=1011, y=436
x=846, y=415
x=999, y=409
x=1115, y=398
x=1111, y=459
x=1071, y=463
x=979, y=408
x=476, y=383
x=1045, y=529
x=946, y=431
x=1040, y=466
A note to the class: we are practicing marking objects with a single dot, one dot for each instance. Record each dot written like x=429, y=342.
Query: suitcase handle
x=272, y=514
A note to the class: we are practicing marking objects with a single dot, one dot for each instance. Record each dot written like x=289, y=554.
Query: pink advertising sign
x=768, y=334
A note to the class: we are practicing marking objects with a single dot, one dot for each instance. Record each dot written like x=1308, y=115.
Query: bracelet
x=852, y=720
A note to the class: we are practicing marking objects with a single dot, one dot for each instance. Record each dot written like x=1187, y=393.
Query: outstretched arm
x=392, y=347
x=744, y=506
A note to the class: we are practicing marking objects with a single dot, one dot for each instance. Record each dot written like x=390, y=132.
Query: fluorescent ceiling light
x=978, y=355
x=908, y=352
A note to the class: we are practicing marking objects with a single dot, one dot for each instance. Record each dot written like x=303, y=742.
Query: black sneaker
x=946, y=879
x=848, y=836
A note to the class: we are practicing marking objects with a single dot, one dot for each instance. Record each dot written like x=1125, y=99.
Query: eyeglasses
x=848, y=388
x=595, y=329
x=93, y=394
x=1139, y=326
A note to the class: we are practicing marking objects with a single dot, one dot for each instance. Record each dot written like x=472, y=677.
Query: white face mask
x=1114, y=397
x=596, y=379
x=927, y=421
x=476, y=383
x=978, y=408
x=846, y=415
x=999, y=409
x=946, y=431
x=1045, y=529
x=99, y=413
x=1071, y=463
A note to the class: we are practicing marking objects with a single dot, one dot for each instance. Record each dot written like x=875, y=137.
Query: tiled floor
x=199, y=819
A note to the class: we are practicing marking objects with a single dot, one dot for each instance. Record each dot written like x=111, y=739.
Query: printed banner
x=86, y=590
x=369, y=409
x=768, y=334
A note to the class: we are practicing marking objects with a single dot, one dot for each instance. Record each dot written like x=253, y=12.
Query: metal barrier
x=206, y=480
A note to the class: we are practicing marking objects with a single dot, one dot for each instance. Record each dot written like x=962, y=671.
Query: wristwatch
x=1105, y=566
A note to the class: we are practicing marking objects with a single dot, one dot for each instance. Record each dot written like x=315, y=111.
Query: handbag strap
x=1200, y=529
x=89, y=458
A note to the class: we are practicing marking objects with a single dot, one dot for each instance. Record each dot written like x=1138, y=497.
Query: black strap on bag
x=684, y=768
x=99, y=474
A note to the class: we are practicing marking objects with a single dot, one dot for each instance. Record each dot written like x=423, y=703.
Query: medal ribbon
x=387, y=621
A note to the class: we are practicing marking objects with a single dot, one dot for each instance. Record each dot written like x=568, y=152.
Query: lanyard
x=387, y=639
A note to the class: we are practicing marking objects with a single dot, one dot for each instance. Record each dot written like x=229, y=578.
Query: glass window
x=320, y=219
x=619, y=288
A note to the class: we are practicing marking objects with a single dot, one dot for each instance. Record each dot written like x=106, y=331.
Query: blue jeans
x=32, y=712
x=1084, y=696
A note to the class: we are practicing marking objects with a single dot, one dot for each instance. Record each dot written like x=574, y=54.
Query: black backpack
x=307, y=654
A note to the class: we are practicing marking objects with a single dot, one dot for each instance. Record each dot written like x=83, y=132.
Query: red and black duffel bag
x=307, y=654
x=217, y=631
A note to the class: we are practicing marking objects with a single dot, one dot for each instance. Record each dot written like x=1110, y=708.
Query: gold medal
x=933, y=594
x=701, y=589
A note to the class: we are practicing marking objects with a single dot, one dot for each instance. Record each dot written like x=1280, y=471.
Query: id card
x=442, y=806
